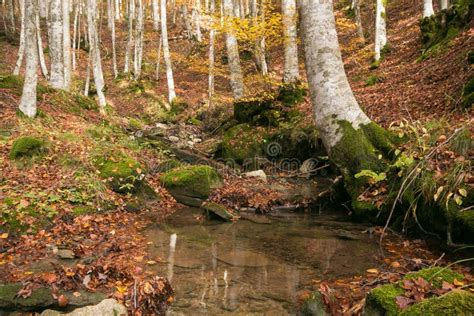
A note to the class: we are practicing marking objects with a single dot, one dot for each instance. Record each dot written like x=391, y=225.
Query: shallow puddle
x=254, y=266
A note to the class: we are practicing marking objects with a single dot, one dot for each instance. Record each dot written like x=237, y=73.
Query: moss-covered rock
x=39, y=298
x=382, y=300
x=27, y=146
x=290, y=94
x=220, y=211
x=252, y=109
x=243, y=142
x=123, y=173
x=313, y=306
x=454, y=303
x=191, y=185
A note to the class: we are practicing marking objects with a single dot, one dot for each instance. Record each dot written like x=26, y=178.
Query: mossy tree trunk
x=353, y=141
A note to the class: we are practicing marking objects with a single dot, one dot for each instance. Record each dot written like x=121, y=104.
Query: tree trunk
x=197, y=20
x=114, y=49
x=11, y=13
x=166, y=53
x=428, y=8
x=21, y=49
x=28, y=97
x=351, y=139
x=44, y=68
x=94, y=51
x=137, y=63
x=291, y=70
x=156, y=15
x=56, y=44
x=236, y=76
x=75, y=28
x=358, y=20
x=128, y=52
x=380, y=29
x=66, y=44
x=158, y=59
x=211, y=54
x=444, y=4
x=186, y=22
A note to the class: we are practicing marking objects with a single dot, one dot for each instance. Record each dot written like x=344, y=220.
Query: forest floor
x=44, y=193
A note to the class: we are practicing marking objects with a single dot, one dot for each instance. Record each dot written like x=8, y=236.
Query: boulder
x=27, y=147
x=313, y=306
x=243, y=141
x=191, y=185
x=219, y=210
x=260, y=174
x=108, y=307
x=382, y=300
x=123, y=173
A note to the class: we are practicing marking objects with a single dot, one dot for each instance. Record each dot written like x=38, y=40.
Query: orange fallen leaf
x=373, y=270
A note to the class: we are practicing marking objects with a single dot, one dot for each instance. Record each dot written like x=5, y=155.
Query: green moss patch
x=468, y=94
x=27, y=147
x=123, y=173
x=191, y=181
x=243, y=142
x=453, y=303
x=435, y=276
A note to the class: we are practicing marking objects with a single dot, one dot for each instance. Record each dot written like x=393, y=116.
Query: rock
x=26, y=147
x=108, y=307
x=173, y=139
x=257, y=219
x=219, y=210
x=39, y=299
x=189, y=184
x=123, y=173
x=260, y=174
x=243, y=141
x=382, y=299
x=346, y=235
x=456, y=302
x=313, y=306
x=65, y=254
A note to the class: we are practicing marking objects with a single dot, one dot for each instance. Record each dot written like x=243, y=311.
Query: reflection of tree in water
x=323, y=250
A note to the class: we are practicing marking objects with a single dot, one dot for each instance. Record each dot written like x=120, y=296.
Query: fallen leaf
x=373, y=271
x=458, y=283
x=62, y=301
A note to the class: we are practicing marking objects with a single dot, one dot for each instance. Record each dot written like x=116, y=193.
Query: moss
x=468, y=94
x=122, y=173
x=193, y=181
x=357, y=150
x=39, y=298
x=135, y=124
x=83, y=209
x=435, y=275
x=470, y=57
x=250, y=109
x=313, y=305
x=382, y=298
x=453, y=303
x=290, y=94
x=374, y=65
x=27, y=147
x=372, y=80
x=194, y=121
x=178, y=106
x=86, y=103
x=244, y=141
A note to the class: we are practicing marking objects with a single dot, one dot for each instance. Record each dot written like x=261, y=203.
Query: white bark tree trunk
x=137, y=63
x=56, y=44
x=236, y=76
x=380, y=29
x=358, y=20
x=28, y=97
x=114, y=49
x=94, y=51
x=131, y=17
x=156, y=15
x=290, y=33
x=211, y=54
x=331, y=94
x=444, y=4
x=66, y=44
x=158, y=59
x=11, y=13
x=21, y=49
x=75, y=28
x=166, y=53
x=428, y=8
x=187, y=23
x=44, y=68
x=197, y=20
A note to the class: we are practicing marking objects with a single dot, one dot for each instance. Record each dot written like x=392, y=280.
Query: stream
x=258, y=264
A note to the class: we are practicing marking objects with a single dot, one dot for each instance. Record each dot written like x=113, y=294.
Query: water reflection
x=244, y=267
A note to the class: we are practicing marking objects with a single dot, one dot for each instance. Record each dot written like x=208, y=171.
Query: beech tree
x=211, y=53
x=380, y=29
x=21, y=49
x=28, y=97
x=66, y=45
x=428, y=8
x=351, y=139
x=236, y=76
x=291, y=71
x=166, y=53
x=55, y=37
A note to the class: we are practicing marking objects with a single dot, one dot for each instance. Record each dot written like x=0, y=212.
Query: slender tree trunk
x=158, y=59
x=358, y=20
x=351, y=139
x=56, y=44
x=117, y=10
x=114, y=49
x=96, y=63
x=21, y=49
x=187, y=23
x=74, y=35
x=137, y=64
x=197, y=20
x=211, y=54
x=11, y=13
x=380, y=29
x=88, y=76
x=131, y=17
x=236, y=76
x=444, y=4
x=156, y=15
x=28, y=97
x=166, y=53
x=428, y=8
x=66, y=44
x=291, y=68
x=44, y=68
